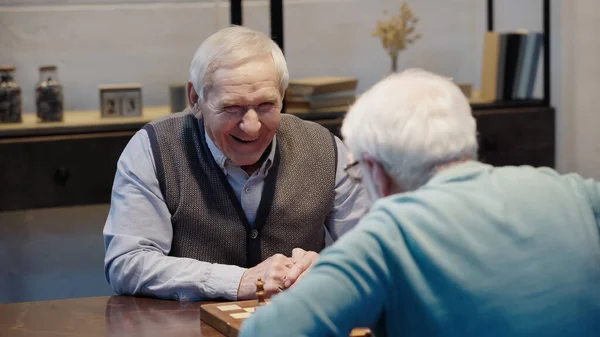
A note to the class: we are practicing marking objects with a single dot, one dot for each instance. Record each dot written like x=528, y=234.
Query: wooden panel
x=104, y=316
x=517, y=136
x=80, y=122
x=59, y=171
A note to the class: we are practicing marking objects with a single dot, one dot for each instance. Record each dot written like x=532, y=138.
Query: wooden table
x=104, y=316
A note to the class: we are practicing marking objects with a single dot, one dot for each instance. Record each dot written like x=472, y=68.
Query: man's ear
x=193, y=100
x=382, y=182
x=191, y=94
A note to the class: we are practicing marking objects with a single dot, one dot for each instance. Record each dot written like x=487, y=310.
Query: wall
x=152, y=42
x=580, y=120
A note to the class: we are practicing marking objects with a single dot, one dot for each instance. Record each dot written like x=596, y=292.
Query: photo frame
x=120, y=100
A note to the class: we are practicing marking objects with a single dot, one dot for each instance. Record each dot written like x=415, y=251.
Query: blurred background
x=53, y=206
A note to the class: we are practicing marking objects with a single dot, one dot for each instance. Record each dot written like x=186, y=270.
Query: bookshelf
x=511, y=132
x=276, y=14
x=545, y=101
x=277, y=23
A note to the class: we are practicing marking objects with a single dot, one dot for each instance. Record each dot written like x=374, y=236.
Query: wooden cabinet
x=507, y=136
x=74, y=163
x=64, y=163
x=517, y=136
x=51, y=171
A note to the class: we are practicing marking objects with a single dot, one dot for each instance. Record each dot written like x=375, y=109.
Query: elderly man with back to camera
x=451, y=246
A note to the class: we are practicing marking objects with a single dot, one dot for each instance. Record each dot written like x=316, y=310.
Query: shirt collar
x=219, y=157
x=459, y=172
x=224, y=162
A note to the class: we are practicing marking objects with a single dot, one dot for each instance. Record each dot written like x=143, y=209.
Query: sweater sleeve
x=350, y=276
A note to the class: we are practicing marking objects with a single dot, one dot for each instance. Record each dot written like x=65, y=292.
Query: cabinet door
x=523, y=136
x=52, y=171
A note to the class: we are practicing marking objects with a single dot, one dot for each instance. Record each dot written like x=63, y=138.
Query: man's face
x=242, y=110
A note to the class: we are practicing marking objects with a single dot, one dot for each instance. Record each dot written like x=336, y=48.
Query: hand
x=272, y=271
x=302, y=260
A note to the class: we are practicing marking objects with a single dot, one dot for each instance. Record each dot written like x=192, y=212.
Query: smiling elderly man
x=208, y=200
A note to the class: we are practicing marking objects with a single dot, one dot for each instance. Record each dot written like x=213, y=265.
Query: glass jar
x=10, y=96
x=49, y=96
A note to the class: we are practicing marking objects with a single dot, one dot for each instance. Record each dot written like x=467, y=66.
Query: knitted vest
x=208, y=221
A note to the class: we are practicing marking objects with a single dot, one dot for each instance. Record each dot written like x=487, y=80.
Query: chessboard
x=227, y=317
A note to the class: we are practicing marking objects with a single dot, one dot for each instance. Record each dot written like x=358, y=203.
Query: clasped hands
x=278, y=272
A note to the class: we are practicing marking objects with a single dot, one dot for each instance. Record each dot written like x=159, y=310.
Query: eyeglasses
x=354, y=172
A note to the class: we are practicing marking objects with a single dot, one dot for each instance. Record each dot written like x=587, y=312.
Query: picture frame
x=120, y=100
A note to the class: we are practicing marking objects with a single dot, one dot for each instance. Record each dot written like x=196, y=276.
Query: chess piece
x=260, y=292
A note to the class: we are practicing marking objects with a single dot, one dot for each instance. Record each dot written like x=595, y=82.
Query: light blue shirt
x=248, y=189
x=478, y=251
x=138, y=231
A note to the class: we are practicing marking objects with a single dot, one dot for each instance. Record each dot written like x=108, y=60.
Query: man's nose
x=250, y=123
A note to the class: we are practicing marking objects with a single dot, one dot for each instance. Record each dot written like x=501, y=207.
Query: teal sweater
x=477, y=251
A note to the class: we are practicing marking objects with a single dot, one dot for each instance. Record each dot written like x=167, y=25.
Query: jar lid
x=47, y=68
x=7, y=67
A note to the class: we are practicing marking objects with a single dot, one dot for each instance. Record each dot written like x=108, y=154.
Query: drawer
x=517, y=136
x=52, y=171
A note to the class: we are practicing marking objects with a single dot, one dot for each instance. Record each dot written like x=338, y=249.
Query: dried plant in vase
x=397, y=32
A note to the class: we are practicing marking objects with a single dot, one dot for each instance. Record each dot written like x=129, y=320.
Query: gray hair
x=229, y=46
x=412, y=122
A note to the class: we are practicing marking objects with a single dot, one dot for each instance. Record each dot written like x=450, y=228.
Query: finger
x=272, y=288
x=292, y=276
x=297, y=254
x=299, y=279
x=308, y=259
x=277, y=274
x=300, y=267
x=280, y=269
x=281, y=259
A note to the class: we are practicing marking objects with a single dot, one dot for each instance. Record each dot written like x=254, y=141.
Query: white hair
x=229, y=46
x=412, y=122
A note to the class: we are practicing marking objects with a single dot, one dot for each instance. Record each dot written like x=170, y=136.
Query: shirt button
x=254, y=234
x=247, y=190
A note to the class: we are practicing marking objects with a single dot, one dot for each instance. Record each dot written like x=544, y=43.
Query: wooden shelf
x=532, y=103
x=74, y=162
x=89, y=121
x=78, y=122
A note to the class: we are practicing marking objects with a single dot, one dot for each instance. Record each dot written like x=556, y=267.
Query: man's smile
x=244, y=141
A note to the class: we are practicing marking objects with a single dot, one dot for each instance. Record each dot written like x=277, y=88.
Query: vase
x=49, y=96
x=394, y=63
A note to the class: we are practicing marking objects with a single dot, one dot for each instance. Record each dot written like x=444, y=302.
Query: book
x=513, y=44
x=509, y=65
x=489, y=73
x=321, y=101
x=340, y=108
x=321, y=85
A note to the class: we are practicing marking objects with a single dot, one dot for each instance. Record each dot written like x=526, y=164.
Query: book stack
x=510, y=63
x=320, y=94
